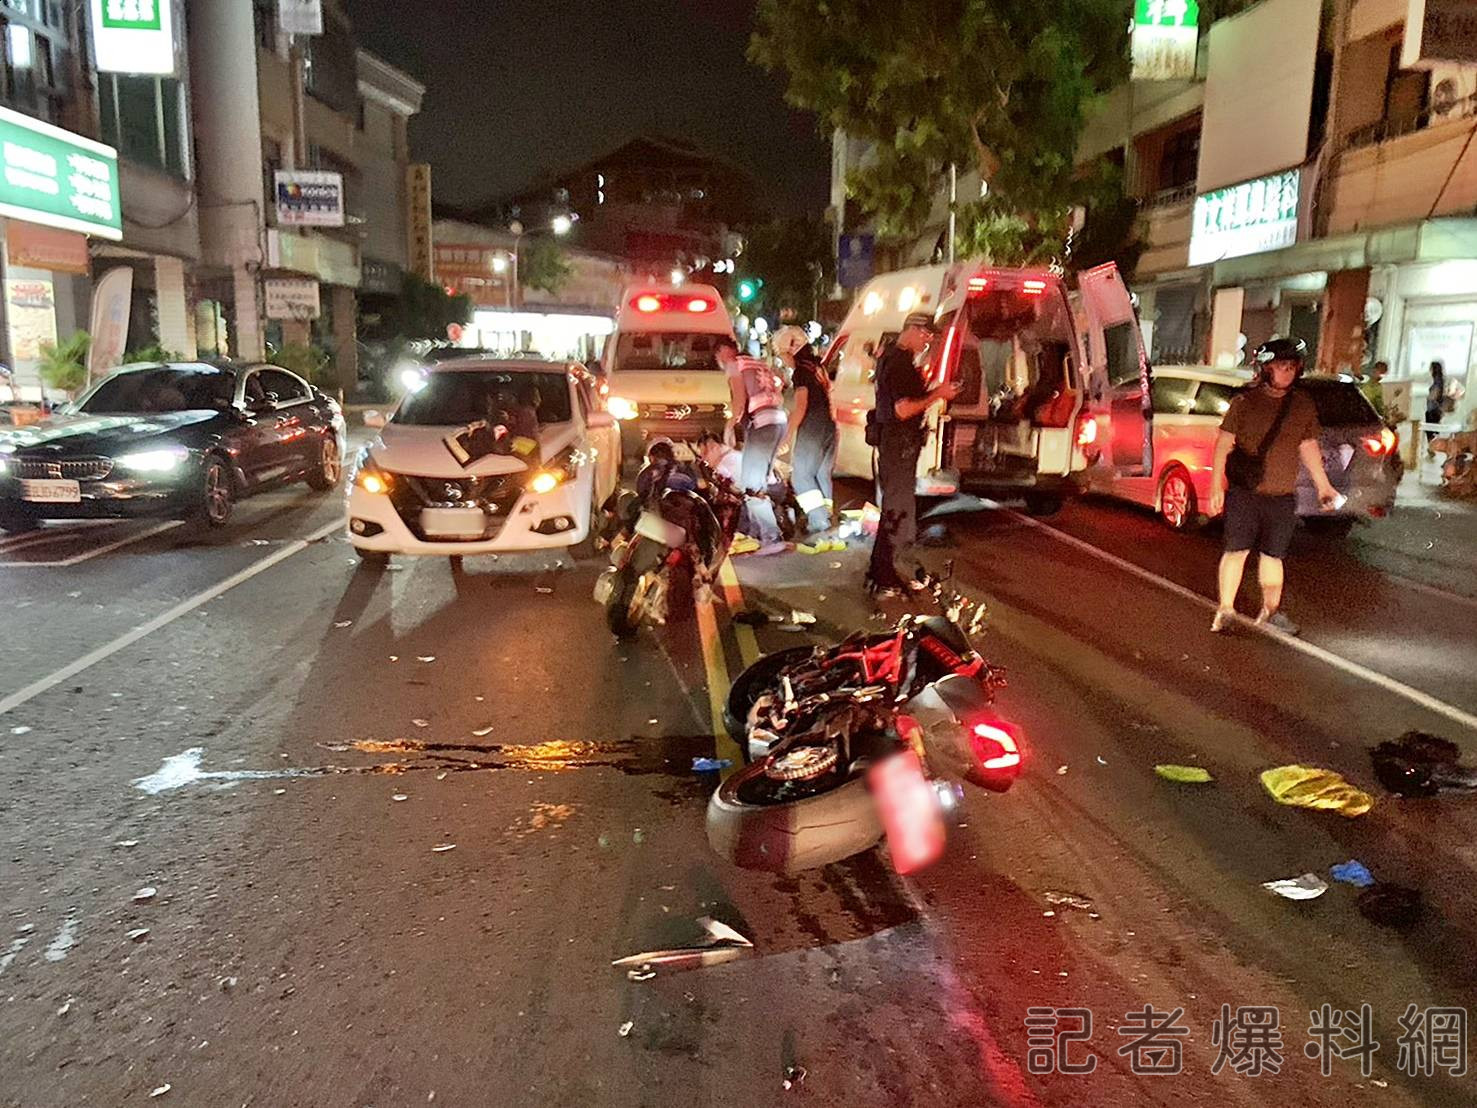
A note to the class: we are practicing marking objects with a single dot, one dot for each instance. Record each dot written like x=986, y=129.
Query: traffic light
x=749, y=288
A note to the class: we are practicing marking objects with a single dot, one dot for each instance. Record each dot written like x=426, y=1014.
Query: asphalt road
x=277, y=741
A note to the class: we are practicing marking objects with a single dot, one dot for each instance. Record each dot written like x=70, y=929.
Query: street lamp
x=560, y=225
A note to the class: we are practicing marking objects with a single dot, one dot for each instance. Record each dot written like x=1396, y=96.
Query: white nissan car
x=486, y=456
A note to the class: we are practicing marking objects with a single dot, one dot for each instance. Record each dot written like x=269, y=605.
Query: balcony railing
x=1168, y=198
x=1386, y=129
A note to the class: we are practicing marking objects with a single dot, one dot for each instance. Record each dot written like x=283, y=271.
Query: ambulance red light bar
x=978, y=284
x=1032, y=287
x=651, y=302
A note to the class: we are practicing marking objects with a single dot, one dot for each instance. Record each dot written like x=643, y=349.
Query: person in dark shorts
x=1269, y=432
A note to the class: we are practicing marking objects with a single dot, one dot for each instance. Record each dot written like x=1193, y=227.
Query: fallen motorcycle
x=672, y=532
x=863, y=740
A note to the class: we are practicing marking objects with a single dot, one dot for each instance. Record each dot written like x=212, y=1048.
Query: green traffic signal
x=748, y=289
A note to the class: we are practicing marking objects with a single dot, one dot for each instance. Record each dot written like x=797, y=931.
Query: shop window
x=143, y=118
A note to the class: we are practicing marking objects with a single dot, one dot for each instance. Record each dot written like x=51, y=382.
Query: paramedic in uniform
x=903, y=396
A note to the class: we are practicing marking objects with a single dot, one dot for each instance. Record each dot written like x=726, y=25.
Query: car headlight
x=370, y=477
x=560, y=468
x=166, y=460
x=621, y=408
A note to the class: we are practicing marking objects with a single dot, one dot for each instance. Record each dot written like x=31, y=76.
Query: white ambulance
x=1053, y=382
x=660, y=366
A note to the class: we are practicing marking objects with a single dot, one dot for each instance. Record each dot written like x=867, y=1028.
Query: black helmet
x=1281, y=350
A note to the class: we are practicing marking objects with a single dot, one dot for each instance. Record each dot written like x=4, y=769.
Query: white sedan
x=485, y=457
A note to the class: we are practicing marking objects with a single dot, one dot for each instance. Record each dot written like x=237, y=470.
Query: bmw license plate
x=51, y=492
x=453, y=523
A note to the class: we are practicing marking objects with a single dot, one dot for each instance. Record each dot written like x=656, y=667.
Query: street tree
x=793, y=256
x=997, y=86
x=423, y=310
x=542, y=264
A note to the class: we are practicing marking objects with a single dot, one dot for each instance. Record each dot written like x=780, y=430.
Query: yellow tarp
x=1185, y=775
x=1310, y=787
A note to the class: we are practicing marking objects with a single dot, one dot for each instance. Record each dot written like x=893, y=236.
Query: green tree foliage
x=154, y=352
x=1000, y=86
x=64, y=366
x=423, y=310
x=794, y=258
x=542, y=264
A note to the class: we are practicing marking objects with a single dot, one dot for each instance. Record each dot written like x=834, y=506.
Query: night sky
x=517, y=89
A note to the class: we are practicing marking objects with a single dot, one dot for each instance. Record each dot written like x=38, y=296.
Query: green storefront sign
x=55, y=178
x=1166, y=13
x=132, y=15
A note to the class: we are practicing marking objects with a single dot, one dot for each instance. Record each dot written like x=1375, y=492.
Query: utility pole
x=953, y=205
x=299, y=153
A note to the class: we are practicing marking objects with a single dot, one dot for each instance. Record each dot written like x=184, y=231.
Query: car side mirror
x=599, y=421
x=374, y=420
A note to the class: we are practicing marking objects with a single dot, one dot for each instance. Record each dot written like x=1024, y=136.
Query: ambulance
x=1055, y=381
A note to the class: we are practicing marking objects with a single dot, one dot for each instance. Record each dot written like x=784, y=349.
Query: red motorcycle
x=863, y=740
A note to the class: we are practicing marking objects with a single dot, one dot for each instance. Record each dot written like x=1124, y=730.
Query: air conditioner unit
x=1453, y=91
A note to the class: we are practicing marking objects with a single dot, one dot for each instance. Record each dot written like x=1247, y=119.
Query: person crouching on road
x=896, y=429
x=1269, y=430
x=757, y=393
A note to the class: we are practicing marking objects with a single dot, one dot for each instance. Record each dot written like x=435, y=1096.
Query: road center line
x=1354, y=669
x=184, y=607
x=88, y=555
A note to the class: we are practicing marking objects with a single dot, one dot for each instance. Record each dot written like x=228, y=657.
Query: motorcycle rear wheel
x=621, y=614
x=787, y=836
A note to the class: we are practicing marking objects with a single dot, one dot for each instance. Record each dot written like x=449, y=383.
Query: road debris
x=65, y=1008
x=161, y=1090
x=126, y=844
x=226, y=984
x=421, y=722
x=720, y=932
x=137, y=934
x=1061, y=771
x=1390, y=905
x=1354, y=873
x=1308, y=886
x=794, y=1077
x=425, y=658
x=1184, y=775
x=625, y=1029
x=442, y=848
x=547, y=590
x=146, y=893
x=21, y=730
x=399, y=796
x=709, y=765
x=482, y=732
x=677, y=959
x=1312, y=787
x=645, y=973
x=1421, y=764
x=1069, y=900
x=342, y=623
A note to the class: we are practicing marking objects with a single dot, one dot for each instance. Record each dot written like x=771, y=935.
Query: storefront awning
x=1431, y=240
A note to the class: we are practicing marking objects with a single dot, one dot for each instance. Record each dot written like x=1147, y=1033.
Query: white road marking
x=88, y=555
x=122, y=642
x=1354, y=669
x=65, y=940
x=184, y=769
x=16, y=946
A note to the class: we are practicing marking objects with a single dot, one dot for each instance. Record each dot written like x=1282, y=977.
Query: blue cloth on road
x=1353, y=873
x=709, y=765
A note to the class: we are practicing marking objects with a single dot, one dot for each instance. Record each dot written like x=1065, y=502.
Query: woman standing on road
x=1435, y=400
x=813, y=435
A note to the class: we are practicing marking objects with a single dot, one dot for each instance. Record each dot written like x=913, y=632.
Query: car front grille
x=495, y=495
x=72, y=469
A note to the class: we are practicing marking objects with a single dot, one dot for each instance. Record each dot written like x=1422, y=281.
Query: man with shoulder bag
x=1269, y=432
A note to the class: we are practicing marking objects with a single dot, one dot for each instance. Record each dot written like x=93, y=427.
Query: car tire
x=1042, y=504
x=216, y=498
x=324, y=476
x=18, y=523
x=793, y=836
x=1179, y=508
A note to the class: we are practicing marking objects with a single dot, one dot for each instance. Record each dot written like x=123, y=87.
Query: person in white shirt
x=758, y=406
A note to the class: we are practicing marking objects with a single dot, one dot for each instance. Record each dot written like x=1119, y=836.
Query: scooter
x=865, y=740
x=676, y=529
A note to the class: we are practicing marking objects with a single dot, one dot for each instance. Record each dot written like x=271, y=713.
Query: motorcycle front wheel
x=622, y=610
x=753, y=822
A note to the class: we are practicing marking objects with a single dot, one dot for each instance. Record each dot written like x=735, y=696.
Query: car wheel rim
x=330, y=462
x=217, y=493
x=1175, y=501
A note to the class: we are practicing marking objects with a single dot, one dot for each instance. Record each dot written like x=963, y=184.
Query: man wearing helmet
x=1269, y=432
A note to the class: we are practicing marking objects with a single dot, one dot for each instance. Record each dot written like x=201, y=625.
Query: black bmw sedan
x=184, y=439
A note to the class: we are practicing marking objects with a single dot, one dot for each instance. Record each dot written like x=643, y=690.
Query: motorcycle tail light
x=1086, y=431
x=997, y=746
x=1381, y=444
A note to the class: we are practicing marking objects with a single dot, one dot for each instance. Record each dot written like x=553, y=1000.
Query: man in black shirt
x=902, y=397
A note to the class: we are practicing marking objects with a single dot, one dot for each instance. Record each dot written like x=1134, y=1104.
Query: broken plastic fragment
x=425, y=658
x=126, y=843
x=421, y=722
x=1353, y=872
x=625, y=1029
x=547, y=590
x=1185, y=775
x=709, y=765
x=342, y=623
x=645, y=973
x=443, y=848
x=1308, y=886
x=1067, y=900
x=482, y=732
x=683, y=958
x=137, y=933
x=1312, y=787
x=720, y=932
x=1061, y=771
x=21, y=730
x=794, y=1077
x=146, y=893
x=161, y=1090
x=399, y=796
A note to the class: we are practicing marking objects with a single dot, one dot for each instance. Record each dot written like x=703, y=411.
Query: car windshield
x=1340, y=404
x=167, y=389
x=668, y=350
x=523, y=401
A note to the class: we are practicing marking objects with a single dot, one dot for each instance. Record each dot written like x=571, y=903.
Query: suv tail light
x=1086, y=430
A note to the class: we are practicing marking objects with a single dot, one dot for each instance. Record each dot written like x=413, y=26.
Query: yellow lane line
x=733, y=595
x=716, y=667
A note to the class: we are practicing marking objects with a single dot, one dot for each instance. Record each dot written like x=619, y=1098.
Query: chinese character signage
x=1249, y=218
x=309, y=198
x=57, y=179
x=418, y=181
x=134, y=36
x=1166, y=34
x=291, y=298
x=300, y=17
